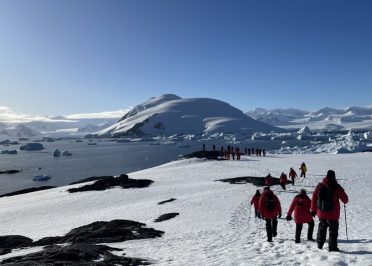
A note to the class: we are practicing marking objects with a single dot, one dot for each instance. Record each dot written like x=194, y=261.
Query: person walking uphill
x=301, y=205
x=292, y=174
x=283, y=180
x=326, y=205
x=303, y=169
x=270, y=209
x=255, y=201
x=269, y=181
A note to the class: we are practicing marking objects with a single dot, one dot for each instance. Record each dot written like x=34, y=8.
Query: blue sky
x=77, y=56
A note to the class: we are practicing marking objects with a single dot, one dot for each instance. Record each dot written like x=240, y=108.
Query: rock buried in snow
x=166, y=201
x=75, y=254
x=166, y=216
x=103, y=232
x=108, y=182
x=89, y=179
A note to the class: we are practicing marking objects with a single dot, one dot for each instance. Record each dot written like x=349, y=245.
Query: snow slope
x=216, y=225
x=327, y=118
x=169, y=114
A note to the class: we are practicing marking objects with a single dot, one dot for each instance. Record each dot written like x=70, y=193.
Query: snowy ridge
x=169, y=114
x=216, y=225
x=324, y=119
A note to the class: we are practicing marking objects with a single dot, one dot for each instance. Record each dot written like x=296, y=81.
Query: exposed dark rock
x=166, y=216
x=103, y=232
x=211, y=155
x=255, y=180
x=108, y=182
x=9, y=152
x=166, y=201
x=7, y=243
x=75, y=254
x=27, y=190
x=32, y=147
x=10, y=171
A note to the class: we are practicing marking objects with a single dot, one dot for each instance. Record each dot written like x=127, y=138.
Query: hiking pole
x=347, y=237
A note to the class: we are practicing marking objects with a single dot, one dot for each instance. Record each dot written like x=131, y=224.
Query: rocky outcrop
x=75, y=254
x=9, y=242
x=255, y=180
x=9, y=152
x=108, y=182
x=210, y=155
x=103, y=232
x=166, y=216
x=8, y=172
x=166, y=201
x=83, y=240
x=27, y=190
x=32, y=147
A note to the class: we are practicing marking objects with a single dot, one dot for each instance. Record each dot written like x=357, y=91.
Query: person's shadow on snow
x=357, y=252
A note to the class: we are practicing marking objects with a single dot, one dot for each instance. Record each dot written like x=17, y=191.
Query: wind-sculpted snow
x=216, y=225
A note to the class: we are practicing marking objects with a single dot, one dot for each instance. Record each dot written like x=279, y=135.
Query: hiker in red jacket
x=269, y=180
x=292, y=174
x=326, y=205
x=255, y=201
x=270, y=209
x=283, y=180
x=301, y=205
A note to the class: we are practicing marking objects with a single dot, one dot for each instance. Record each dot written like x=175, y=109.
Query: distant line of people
x=231, y=152
x=325, y=204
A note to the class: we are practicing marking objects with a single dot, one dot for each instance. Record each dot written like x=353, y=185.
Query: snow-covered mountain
x=169, y=114
x=323, y=119
x=16, y=125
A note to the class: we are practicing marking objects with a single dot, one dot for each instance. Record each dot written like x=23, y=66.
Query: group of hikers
x=324, y=204
x=231, y=152
x=283, y=179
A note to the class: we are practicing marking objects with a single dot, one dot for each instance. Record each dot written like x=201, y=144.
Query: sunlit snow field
x=216, y=225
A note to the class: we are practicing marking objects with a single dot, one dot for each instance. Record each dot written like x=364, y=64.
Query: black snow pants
x=257, y=213
x=271, y=228
x=309, y=231
x=322, y=233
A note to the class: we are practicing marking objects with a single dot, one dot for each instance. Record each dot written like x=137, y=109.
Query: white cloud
x=108, y=114
x=9, y=116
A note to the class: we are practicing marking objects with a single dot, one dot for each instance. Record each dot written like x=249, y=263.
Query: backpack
x=269, y=202
x=325, y=195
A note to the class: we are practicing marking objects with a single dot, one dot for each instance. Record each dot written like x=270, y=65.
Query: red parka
x=338, y=194
x=283, y=179
x=301, y=205
x=255, y=200
x=264, y=211
x=292, y=173
x=269, y=181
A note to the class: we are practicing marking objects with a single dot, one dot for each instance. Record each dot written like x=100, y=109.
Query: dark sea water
x=105, y=158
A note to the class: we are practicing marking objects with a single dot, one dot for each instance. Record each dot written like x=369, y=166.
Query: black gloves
x=280, y=215
x=289, y=217
x=313, y=213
